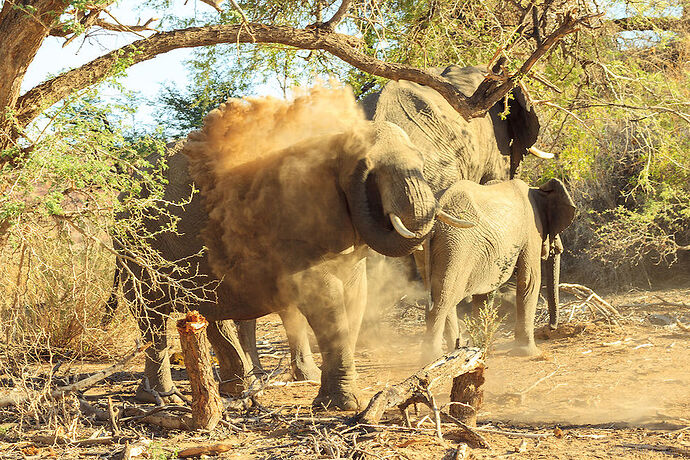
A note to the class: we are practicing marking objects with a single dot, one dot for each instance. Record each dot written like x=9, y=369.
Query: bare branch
x=216, y=4
x=119, y=27
x=490, y=92
x=338, y=16
x=650, y=23
x=239, y=10
x=342, y=46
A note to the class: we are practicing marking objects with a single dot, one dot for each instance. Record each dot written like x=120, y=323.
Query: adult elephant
x=516, y=227
x=481, y=150
x=286, y=229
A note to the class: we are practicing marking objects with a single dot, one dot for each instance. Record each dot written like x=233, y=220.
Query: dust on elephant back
x=266, y=170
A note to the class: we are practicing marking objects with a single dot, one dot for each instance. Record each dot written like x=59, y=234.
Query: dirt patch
x=613, y=392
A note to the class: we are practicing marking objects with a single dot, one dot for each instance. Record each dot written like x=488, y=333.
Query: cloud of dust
x=268, y=170
x=247, y=129
x=395, y=298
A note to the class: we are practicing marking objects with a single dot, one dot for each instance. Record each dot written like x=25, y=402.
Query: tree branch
x=650, y=23
x=490, y=91
x=345, y=47
x=338, y=16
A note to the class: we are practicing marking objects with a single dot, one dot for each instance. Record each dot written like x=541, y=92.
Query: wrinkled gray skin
x=357, y=194
x=516, y=226
x=481, y=150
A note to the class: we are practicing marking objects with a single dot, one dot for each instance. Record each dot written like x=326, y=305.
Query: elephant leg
x=443, y=302
x=355, y=292
x=157, y=376
x=527, y=295
x=234, y=367
x=246, y=331
x=301, y=358
x=322, y=302
x=451, y=332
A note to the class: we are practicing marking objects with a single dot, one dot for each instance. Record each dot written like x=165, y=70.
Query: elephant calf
x=516, y=227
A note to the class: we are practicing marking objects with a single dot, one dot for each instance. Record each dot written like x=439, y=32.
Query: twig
x=473, y=436
x=112, y=417
x=672, y=304
x=670, y=449
x=437, y=413
x=81, y=385
x=514, y=434
x=239, y=9
x=534, y=385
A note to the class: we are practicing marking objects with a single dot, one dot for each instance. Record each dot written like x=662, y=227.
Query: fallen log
x=207, y=407
x=417, y=387
x=81, y=385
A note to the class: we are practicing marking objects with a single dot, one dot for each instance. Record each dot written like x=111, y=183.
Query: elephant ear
x=555, y=207
x=518, y=130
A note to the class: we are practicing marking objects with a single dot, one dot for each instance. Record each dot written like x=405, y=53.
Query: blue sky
x=145, y=78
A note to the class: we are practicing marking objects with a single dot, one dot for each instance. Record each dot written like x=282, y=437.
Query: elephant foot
x=529, y=349
x=305, y=370
x=146, y=394
x=341, y=400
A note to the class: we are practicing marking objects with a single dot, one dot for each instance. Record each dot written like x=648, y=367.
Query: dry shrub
x=482, y=328
x=630, y=188
x=55, y=284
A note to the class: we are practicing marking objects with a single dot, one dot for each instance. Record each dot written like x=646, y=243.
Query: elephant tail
x=111, y=304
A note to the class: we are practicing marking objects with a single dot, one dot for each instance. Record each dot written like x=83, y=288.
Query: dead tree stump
x=207, y=407
x=469, y=395
x=417, y=387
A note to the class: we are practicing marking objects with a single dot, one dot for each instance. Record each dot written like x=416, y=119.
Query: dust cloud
x=270, y=171
x=243, y=130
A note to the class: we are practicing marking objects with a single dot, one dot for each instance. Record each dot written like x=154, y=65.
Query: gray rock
x=661, y=320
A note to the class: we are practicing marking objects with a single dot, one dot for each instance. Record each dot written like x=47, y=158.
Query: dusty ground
x=613, y=392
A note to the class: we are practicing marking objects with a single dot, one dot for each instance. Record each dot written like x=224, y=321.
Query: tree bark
x=23, y=27
x=414, y=387
x=468, y=392
x=207, y=407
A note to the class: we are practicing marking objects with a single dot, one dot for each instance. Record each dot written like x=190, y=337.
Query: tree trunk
x=207, y=407
x=468, y=392
x=23, y=27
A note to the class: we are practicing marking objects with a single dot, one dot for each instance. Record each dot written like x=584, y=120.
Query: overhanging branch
x=651, y=23
x=345, y=47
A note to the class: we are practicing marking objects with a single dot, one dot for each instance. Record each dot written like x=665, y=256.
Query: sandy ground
x=597, y=391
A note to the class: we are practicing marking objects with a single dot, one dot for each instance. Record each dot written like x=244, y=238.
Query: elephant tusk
x=400, y=227
x=446, y=218
x=540, y=153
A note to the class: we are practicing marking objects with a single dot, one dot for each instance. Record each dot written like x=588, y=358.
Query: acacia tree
x=24, y=26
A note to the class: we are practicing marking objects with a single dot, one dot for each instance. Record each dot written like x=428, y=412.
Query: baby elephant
x=516, y=227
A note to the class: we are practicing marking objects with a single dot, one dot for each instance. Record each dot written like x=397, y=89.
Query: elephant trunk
x=553, y=275
x=374, y=196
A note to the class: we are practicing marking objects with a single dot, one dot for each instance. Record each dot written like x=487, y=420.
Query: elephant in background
x=516, y=227
x=285, y=230
x=481, y=150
